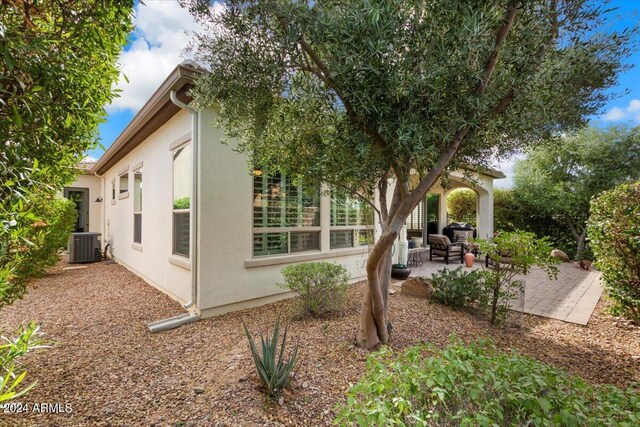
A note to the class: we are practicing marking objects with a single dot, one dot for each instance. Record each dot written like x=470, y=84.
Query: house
x=188, y=215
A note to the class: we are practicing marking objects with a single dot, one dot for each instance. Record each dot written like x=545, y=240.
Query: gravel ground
x=113, y=372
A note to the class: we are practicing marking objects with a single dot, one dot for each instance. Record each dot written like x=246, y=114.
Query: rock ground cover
x=114, y=372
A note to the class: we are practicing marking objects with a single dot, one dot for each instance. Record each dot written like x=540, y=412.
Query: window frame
x=315, y=229
x=174, y=148
x=355, y=229
x=123, y=194
x=137, y=170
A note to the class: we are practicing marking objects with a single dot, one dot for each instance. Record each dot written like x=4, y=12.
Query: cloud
x=162, y=32
x=630, y=112
x=506, y=166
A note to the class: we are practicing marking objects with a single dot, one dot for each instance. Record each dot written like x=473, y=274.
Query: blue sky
x=162, y=31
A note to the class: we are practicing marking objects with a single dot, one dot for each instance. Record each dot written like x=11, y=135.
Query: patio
x=572, y=297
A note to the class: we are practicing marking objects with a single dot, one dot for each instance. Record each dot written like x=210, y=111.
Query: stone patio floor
x=571, y=298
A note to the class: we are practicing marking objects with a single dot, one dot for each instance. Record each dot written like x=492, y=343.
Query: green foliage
x=34, y=244
x=512, y=253
x=345, y=92
x=322, y=286
x=12, y=349
x=614, y=230
x=508, y=213
x=461, y=206
x=182, y=203
x=273, y=369
x=478, y=385
x=58, y=66
x=555, y=183
x=457, y=288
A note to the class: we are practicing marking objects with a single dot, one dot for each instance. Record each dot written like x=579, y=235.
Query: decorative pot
x=469, y=258
x=400, y=272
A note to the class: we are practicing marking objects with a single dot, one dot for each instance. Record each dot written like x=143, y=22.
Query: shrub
x=457, y=287
x=478, y=385
x=182, y=203
x=512, y=253
x=273, y=369
x=322, y=286
x=614, y=231
x=12, y=349
x=32, y=241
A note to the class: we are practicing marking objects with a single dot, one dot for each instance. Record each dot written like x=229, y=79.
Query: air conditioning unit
x=84, y=247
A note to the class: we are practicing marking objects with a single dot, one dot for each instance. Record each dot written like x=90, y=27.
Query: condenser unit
x=84, y=247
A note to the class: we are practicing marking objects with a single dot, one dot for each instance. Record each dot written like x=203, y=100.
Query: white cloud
x=629, y=112
x=634, y=106
x=162, y=31
x=614, y=114
x=506, y=166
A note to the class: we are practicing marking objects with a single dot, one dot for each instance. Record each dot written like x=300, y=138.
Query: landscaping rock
x=417, y=287
x=557, y=253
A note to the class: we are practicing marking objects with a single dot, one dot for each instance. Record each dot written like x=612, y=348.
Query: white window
x=123, y=183
x=137, y=206
x=351, y=222
x=286, y=215
x=113, y=191
x=181, y=200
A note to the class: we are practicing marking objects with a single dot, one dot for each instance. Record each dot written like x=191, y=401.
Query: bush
x=513, y=254
x=32, y=242
x=456, y=288
x=478, y=385
x=12, y=349
x=614, y=231
x=182, y=203
x=273, y=369
x=322, y=286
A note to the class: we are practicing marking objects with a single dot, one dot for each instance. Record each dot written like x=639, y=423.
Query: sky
x=163, y=30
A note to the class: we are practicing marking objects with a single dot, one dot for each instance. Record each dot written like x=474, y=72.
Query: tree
x=558, y=181
x=614, y=230
x=461, y=204
x=57, y=71
x=58, y=68
x=364, y=94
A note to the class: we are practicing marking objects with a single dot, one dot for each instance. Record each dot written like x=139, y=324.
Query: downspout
x=104, y=207
x=174, y=322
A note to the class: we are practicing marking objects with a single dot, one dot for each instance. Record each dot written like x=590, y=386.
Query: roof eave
x=155, y=112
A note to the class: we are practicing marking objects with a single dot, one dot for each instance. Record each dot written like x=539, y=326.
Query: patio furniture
x=450, y=230
x=415, y=256
x=441, y=246
x=505, y=260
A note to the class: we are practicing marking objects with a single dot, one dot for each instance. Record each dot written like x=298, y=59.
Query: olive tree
x=365, y=95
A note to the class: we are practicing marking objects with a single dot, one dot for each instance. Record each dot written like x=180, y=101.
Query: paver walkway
x=571, y=298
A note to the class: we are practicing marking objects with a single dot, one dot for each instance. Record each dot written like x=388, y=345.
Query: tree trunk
x=582, y=238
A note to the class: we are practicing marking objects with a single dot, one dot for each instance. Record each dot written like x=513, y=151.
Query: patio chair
x=505, y=261
x=441, y=246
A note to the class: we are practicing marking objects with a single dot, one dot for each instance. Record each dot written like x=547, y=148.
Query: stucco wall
x=150, y=259
x=228, y=276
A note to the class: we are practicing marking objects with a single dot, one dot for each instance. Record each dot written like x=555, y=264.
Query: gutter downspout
x=174, y=322
x=104, y=207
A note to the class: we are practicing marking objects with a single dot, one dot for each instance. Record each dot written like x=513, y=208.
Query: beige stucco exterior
x=227, y=276
x=152, y=259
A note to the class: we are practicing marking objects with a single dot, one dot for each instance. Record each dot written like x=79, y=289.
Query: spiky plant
x=273, y=369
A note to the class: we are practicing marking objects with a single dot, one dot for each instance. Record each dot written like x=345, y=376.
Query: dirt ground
x=112, y=371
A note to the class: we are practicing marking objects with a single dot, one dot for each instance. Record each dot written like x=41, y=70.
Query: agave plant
x=273, y=369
